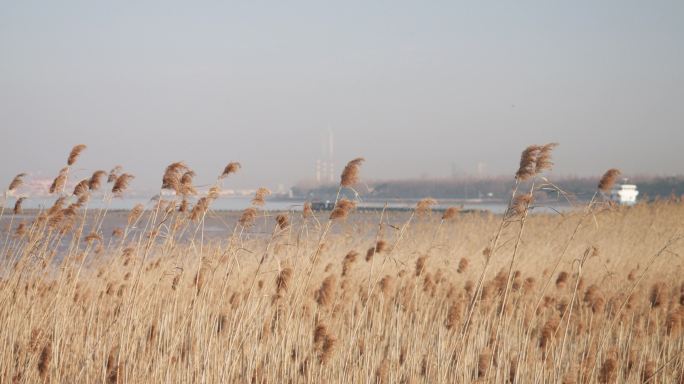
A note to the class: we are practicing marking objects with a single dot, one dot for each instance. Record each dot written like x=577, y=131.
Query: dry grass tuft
x=17, y=205
x=95, y=181
x=450, y=213
x=260, y=196
x=350, y=174
x=462, y=265
x=16, y=182
x=342, y=209
x=121, y=184
x=248, y=216
x=229, y=169
x=75, y=153
x=608, y=180
x=96, y=296
x=528, y=163
x=44, y=360
x=60, y=181
x=424, y=206
x=114, y=174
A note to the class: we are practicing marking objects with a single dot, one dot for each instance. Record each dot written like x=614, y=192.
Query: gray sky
x=415, y=87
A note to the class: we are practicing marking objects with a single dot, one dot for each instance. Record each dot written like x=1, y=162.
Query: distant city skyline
x=418, y=89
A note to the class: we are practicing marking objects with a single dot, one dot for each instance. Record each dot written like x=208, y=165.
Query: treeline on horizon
x=495, y=188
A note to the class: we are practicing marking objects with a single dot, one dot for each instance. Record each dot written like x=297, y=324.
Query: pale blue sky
x=412, y=86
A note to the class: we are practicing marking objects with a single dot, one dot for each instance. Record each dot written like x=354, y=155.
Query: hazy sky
x=418, y=88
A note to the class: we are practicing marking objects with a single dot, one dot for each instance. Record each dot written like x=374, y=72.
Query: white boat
x=624, y=194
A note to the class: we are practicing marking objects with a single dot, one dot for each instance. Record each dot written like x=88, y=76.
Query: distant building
x=625, y=194
x=325, y=169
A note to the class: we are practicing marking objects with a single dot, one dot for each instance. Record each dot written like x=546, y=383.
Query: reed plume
x=135, y=214
x=248, y=216
x=349, y=259
x=44, y=360
x=520, y=204
x=543, y=161
x=548, y=331
x=114, y=174
x=674, y=320
x=283, y=280
x=59, y=181
x=450, y=213
x=81, y=188
x=20, y=230
x=232, y=167
x=454, y=315
x=16, y=182
x=282, y=220
x=121, y=184
x=56, y=206
x=369, y=253
x=648, y=371
x=113, y=367
x=380, y=246
x=320, y=334
x=260, y=196
x=17, y=205
x=186, y=187
x=184, y=206
x=350, y=173
x=386, y=285
x=483, y=362
x=200, y=208
x=95, y=181
x=420, y=265
x=307, y=211
x=608, y=180
x=75, y=153
x=326, y=292
x=82, y=199
x=462, y=265
x=424, y=206
x=562, y=279
x=342, y=209
x=172, y=176
x=93, y=237
x=528, y=163
x=382, y=373
x=327, y=349
x=608, y=371
x=658, y=294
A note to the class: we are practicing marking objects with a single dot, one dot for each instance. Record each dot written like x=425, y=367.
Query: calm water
x=221, y=220
x=240, y=203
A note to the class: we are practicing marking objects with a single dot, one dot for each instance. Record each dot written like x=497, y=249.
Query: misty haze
x=341, y=192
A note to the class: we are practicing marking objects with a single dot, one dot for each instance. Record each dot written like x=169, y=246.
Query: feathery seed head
x=342, y=209
x=75, y=153
x=608, y=180
x=121, y=184
x=232, y=167
x=17, y=182
x=350, y=174
x=95, y=180
x=528, y=163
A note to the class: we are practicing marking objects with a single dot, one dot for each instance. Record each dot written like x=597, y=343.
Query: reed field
x=593, y=294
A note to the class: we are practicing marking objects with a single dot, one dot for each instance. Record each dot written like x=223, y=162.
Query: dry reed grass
x=594, y=295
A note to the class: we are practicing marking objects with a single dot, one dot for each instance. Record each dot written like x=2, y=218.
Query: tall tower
x=325, y=165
